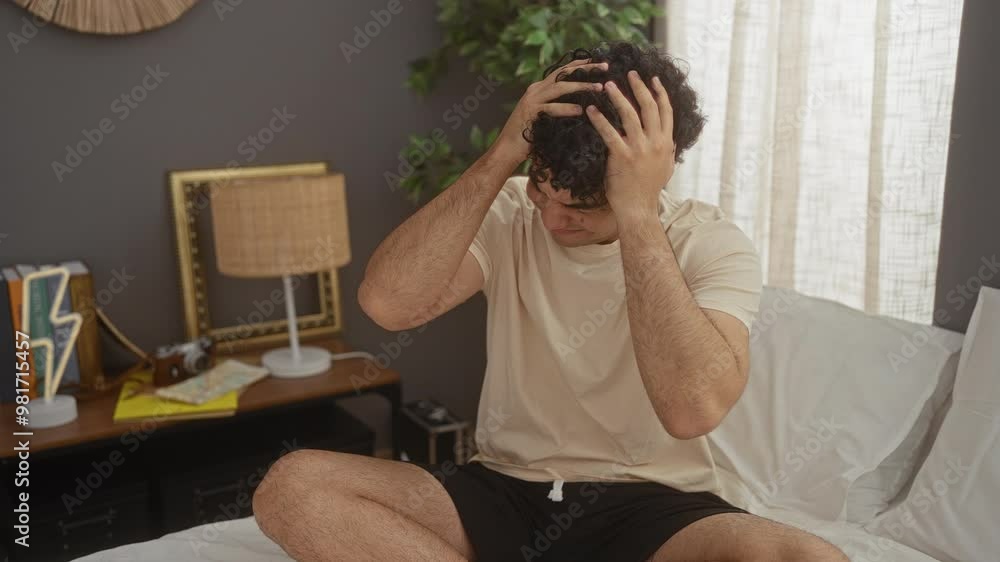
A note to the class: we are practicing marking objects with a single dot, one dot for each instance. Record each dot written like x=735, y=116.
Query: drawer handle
x=218, y=490
x=106, y=519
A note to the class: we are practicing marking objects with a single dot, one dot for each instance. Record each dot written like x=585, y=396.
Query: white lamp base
x=313, y=361
x=58, y=411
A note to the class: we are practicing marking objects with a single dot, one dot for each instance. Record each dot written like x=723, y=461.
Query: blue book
x=61, y=334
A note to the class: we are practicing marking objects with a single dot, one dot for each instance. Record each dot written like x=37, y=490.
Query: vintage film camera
x=175, y=363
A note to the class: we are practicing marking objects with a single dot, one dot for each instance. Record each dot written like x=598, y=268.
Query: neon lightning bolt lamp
x=51, y=409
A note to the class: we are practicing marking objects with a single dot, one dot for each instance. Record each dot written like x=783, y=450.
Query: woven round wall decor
x=108, y=17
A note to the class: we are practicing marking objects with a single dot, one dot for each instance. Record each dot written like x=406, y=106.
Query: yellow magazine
x=137, y=401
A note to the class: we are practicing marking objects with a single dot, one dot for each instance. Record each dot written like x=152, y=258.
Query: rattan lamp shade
x=272, y=227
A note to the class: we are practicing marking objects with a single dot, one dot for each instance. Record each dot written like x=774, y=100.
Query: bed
x=848, y=429
x=241, y=540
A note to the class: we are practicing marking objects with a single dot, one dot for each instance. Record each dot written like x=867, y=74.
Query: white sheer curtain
x=827, y=137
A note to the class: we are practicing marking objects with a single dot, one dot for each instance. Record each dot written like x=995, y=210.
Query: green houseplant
x=512, y=42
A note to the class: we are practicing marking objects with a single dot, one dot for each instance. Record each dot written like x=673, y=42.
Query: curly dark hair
x=570, y=152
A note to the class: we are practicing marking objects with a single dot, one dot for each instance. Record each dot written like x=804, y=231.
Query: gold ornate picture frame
x=190, y=195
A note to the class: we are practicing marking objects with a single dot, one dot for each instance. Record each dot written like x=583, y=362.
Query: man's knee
x=286, y=483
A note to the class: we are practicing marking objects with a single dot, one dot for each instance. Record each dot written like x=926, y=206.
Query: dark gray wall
x=226, y=75
x=970, y=233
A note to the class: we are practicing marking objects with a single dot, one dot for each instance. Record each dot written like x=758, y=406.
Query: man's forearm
x=410, y=269
x=673, y=339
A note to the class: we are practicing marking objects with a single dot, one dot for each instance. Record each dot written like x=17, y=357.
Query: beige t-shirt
x=562, y=398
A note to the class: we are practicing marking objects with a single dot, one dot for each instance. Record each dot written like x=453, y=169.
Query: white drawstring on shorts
x=555, y=494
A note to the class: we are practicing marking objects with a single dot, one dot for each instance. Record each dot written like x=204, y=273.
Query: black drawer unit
x=98, y=526
x=88, y=499
x=220, y=486
x=85, y=502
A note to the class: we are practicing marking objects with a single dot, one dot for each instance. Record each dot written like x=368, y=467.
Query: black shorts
x=511, y=520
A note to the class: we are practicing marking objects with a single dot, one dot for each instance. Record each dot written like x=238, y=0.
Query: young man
x=609, y=301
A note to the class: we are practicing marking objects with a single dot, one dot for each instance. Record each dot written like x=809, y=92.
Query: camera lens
x=201, y=363
x=195, y=361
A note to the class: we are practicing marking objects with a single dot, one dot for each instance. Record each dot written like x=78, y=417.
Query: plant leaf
x=546, y=53
x=540, y=20
x=633, y=15
x=449, y=179
x=491, y=137
x=476, y=137
x=468, y=48
x=536, y=37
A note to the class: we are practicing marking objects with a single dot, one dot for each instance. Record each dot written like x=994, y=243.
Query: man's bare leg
x=320, y=505
x=732, y=537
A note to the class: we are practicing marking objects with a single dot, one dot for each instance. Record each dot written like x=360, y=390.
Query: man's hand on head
x=539, y=98
x=640, y=162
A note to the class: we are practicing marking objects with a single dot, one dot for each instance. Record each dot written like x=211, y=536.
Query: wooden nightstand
x=97, y=484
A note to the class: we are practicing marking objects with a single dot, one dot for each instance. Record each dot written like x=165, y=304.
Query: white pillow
x=872, y=492
x=952, y=511
x=832, y=392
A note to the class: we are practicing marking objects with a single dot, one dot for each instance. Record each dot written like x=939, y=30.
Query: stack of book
x=84, y=368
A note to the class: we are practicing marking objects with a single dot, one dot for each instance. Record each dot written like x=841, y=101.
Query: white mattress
x=237, y=540
x=241, y=540
x=858, y=544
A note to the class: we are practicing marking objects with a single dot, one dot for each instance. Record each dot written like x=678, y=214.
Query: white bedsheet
x=241, y=540
x=237, y=540
x=858, y=544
